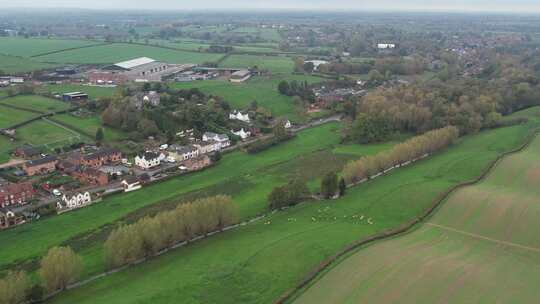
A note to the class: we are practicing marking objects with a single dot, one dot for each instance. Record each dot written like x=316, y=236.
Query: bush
x=265, y=144
x=288, y=195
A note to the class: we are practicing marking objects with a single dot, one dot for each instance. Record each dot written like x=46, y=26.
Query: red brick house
x=102, y=157
x=40, y=166
x=91, y=176
x=198, y=163
x=16, y=194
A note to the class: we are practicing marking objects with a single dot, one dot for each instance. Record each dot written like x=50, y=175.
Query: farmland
x=10, y=117
x=262, y=89
x=14, y=64
x=478, y=248
x=36, y=103
x=31, y=47
x=275, y=64
x=5, y=148
x=123, y=51
x=90, y=125
x=284, y=247
x=44, y=133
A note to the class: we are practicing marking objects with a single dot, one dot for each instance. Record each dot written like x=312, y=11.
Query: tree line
x=58, y=269
x=150, y=235
x=414, y=148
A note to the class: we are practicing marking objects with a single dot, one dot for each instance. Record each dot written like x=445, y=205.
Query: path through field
x=482, y=246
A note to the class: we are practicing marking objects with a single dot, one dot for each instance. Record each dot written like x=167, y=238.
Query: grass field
x=91, y=125
x=15, y=65
x=262, y=89
x=10, y=117
x=480, y=247
x=37, y=103
x=5, y=148
x=275, y=64
x=44, y=133
x=92, y=91
x=119, y=52
x=33, y=46
x=258, y=262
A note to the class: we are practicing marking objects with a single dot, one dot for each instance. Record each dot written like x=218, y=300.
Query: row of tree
x=412, y=149
x=58, y=269
x=150, y=235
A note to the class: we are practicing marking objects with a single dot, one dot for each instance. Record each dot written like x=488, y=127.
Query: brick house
x=16, y=194
x=40, y=166
x=104, y=156
x=198, y=163
x=92, y=176
x=27, y=151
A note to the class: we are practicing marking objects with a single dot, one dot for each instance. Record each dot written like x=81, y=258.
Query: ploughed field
x=260, y=261
x=481, y=246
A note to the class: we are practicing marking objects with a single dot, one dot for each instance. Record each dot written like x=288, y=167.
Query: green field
x=275, y=64
x=262, y=89
x=37, y=103
x=480, y=247
x=258, y=262
x=41, y=132
x=16, y=65
x=10, y=117
x=5, y=149
x=33, y=46
x=122, y=51
x=92, y=91
x=91, y=125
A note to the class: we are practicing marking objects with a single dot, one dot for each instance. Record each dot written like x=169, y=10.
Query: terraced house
x=40, y=166
x=16, y=194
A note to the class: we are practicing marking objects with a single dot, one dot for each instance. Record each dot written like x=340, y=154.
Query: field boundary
x=69, y=49
x=402, y=229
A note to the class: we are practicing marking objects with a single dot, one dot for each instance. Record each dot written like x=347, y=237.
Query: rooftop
x=130, y=64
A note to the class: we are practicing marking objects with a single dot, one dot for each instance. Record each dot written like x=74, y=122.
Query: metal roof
x=130, y=64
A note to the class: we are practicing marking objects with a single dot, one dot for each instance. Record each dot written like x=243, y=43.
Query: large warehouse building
x=142, y=69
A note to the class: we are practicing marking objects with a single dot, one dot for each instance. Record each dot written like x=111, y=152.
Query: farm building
x=240, y=76
x=74, y=96
x=141, y=69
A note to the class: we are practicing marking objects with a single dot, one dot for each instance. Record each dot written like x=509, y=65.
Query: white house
x=148, y=160
x=183, y=153
x=76, y=201
x=221, y=139
x=206, y=147
x=243, y=134
x=288, y=124
x=384, y=46
x=237, y=115
x=131, y=183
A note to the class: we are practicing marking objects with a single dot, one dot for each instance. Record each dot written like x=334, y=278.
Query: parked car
x=57, y=192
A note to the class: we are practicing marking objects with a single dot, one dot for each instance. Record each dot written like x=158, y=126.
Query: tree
x=279, y=130
x=329, y=185
x=59, y=268
x=288, y=195
x=99, y=135
x=283, y=88
x=342, y=187
x=147, y=127
x=309, y=67
x=14, y=288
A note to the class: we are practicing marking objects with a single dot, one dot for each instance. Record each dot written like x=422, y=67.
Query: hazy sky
x=429, y=5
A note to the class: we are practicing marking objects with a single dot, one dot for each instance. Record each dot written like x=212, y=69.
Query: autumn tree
x=14, y=288
x=59, y=268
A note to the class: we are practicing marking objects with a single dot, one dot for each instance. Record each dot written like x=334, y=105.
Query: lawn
x=33, y=46
x=477, y=248
x=5, y=148
x=91, y=125
x=258, y=262
x=10, y=117
x=249, y=178
x=275, y=64
x=17, y=65
x=43, y=133
x=92, y=91
x=122, y=51
x=262, y=89
x=37, y=103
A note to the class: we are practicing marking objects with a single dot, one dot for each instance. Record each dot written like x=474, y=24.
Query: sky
x=508, y=6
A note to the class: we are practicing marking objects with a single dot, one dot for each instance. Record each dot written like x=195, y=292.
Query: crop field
x=91, y=125
x=275, y=64
x=262, y=89
x=37, y=103
x=34, y=46
x=14, y=64
x=44, y=133
x=284, y=247
x=10, y=117
x=122, y=51
x=92, y=91
x=480, y=247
